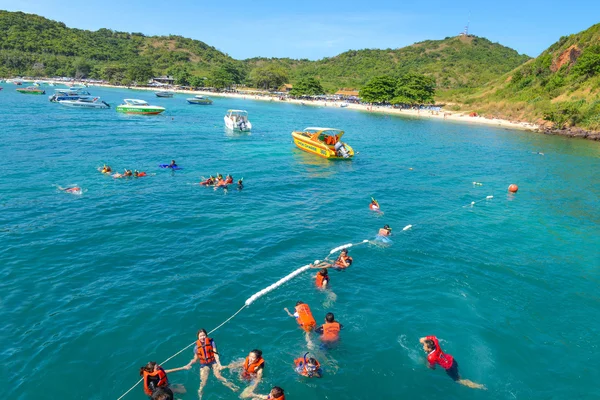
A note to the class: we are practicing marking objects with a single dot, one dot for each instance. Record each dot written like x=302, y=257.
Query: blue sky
x=316, y=29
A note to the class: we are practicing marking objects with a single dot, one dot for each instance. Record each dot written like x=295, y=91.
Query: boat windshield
x=135, y=102
x=238, y=113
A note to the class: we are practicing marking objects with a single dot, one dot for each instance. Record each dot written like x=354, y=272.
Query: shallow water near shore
x=95, y=286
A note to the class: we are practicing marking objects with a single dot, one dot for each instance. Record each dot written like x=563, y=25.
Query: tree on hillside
x=139, y=72
x=414, y=88
x=307, y=87
x=379, y=89
x=181, y=74
x=269, y=76
x=588, y=63
x=220, y=78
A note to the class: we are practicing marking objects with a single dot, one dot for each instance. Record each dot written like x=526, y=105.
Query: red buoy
x=513, y=188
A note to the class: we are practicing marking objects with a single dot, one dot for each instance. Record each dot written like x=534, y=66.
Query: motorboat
x=237, y=120
x=343, y=105
x=164, y=94
x=136, y=106
x=68, y=94
x=85, y=102
x=199, y=99
x=31, y=90
x=324, y=142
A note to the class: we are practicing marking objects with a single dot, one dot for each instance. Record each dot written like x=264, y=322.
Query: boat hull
x=140, y=110
x=25, y=91
x=74, y=104
x=229, y=124
x=320, y=149
x=200, y=102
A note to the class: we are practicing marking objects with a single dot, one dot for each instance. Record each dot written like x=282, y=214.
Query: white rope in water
x=471, y=204
x=251, y=300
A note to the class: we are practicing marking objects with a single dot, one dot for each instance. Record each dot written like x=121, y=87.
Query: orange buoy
x=513, y=188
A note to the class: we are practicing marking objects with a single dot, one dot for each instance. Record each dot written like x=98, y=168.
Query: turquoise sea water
x=94, y=286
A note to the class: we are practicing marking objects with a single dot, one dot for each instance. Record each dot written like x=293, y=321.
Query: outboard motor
x=106, y=104
x=340, y=149
x=242, y=125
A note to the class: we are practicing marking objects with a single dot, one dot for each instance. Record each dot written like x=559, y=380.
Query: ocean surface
x=94, y=286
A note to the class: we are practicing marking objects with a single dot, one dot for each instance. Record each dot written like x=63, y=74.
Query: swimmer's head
x=150, y=367
x=387, y=227
x=254, y=355
x=428, y=346
x=276, y=392
x=344, y=252
x=299, y=302
x=202, y=334
x=329, y=317
x=323, y=271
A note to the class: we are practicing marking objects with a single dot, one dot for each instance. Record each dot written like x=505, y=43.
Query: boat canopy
x=237, y=112
x=135, y=102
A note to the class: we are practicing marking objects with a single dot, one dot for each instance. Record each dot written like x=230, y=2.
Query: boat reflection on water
x=318, y=167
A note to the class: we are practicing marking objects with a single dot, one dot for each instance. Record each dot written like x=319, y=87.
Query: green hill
x=35, y=46
x=560, y=88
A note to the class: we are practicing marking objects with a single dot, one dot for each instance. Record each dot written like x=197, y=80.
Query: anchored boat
x=68, y=94
x=31, y=90
x=199, y=99
x=237, y=120
x=135, y=106
x=324, y=142
x=164, y=94
x=85, y=103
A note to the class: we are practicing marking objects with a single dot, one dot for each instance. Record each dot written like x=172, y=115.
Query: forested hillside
x=561, y=86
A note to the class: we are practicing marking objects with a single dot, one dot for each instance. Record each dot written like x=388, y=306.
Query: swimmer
x=205, y=353
x=305, y=319
x=172, y=165
x=229, y=180
x=106, y=169
x=322, y=279
x=154, y=376
x=240, y=184
x=208, y=182
x=252, y=370
x=344, y=260
x=127, y=173
x=276, y=393
x=435, y=355
x=385, y=231
x=330, y=330
x=374, y=205
x=162, y=393
x=308, y=367
x=73, y=190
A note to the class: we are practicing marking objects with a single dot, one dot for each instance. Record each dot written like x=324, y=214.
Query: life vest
x=208, y=182
x=282, y=397
x=438, y=356
x=221, y=182
x=299, y=362
x=340, y=261
x=205, y=352
x=228, y=181
x=319, y=279
x=251, y=369
x=305, y=318
x=73, y=189
x=384, y=232
x=140, y=174
x=374, y=206
x=331, y=331
x=152, y=380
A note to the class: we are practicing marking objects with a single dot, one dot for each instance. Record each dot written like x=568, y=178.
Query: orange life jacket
x=320, y=278
x=229, y=180
x=251, y=369
x=300, y=362
x=152, y=380
x=340, y=261
x=305, y=318
x=384, y=232
x=282, y=397
x=205, y=352
x=331, y=331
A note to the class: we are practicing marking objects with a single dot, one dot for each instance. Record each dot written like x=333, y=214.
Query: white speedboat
x=237, y=120
x=68, y=94
x=85, y=102
x=199, y=99
x=164, y=94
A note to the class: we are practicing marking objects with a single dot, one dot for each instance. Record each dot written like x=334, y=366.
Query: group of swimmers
x=156, y=383
x=220, y=182
x=127, y=173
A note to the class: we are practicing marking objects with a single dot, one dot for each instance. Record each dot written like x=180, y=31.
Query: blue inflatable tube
x=169, y=166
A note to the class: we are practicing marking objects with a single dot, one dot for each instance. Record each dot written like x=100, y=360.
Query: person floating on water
x=229, y=180
x=205, y=353
x=385, y=231
x=435, y=355
x=240, y=184
x=127, y=173
x=138, y=174
x=208, y=182
x=162, y=393
x=173, y=164
x=344, y=260
x=252, y=370
x=304, y=318
x=308, y=367
x=322, y=279
x=276, y=393
x=154, y=376
x=106, y=169
x=73, y=190
x=374, y=205
x=330, y=330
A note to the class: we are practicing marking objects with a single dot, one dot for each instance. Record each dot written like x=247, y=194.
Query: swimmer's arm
x=192, y=361
x=319, y=330
x=168, y=371
x=234, y=364
x=289, y=313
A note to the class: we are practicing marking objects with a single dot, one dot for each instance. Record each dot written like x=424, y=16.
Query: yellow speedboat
x=324, y=142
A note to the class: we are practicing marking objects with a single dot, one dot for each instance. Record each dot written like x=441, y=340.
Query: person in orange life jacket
x=344, y=260
x=330, y=330
x=305, y=319
x=162, y=393
x=385, y=231
x=205, y=353
x=154, y=376
x=308, y=367
x=322, y=279
x=275, y=394
x=252, y=369
x=435, y=355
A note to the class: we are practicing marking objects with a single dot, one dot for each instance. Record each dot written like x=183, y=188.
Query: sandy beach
x=438, y=115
